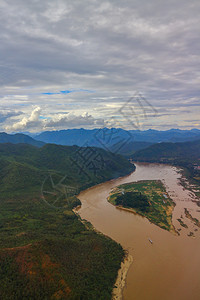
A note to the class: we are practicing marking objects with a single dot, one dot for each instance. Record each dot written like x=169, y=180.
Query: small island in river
x=147, y=198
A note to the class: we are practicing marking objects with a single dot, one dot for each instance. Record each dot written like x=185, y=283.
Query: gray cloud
x=4, y=115
x=111, y=47
x=73, y=121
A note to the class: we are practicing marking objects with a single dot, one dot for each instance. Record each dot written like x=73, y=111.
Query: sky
x=71, y=64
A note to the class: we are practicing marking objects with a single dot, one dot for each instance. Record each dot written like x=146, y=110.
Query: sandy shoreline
x=121, y=278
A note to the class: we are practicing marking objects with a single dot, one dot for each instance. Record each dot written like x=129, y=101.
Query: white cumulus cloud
x=27, y=123
x=37, y=122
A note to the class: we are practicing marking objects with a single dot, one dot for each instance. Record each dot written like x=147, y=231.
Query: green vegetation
x=23, y=168
x=175, y=153
x=182, y=223
x=135, y=200
x=46, y=252
x=19, y=138
x=189, y=216
x=147, y=198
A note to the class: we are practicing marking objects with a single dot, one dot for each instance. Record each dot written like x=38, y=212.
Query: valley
x=156, y=209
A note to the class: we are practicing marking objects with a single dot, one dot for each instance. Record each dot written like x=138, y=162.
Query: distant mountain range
x=107, y=137
x=116, y=140
x=172, y=135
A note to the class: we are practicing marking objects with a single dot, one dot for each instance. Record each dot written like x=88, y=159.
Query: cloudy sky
x=71, y=64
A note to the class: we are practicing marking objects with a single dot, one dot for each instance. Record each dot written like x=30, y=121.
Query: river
x=168, y=269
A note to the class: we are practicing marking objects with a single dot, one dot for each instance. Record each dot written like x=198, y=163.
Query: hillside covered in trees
x=170, y=152
x=19, y=138
x=46, y=252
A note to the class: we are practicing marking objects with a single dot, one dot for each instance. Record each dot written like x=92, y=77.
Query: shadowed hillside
x=186, y=155
x=169, y=152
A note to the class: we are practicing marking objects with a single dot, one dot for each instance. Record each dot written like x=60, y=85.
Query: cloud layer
x=112, y=48
x=35, y=122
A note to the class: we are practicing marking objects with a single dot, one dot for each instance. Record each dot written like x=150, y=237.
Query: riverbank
x=173, y=255
x=121, y=278
x=125, y=264
x=190, y=184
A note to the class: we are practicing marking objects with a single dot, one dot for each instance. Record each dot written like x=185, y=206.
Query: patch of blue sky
x=44, y=118
x=67, y=92
x=49, y=93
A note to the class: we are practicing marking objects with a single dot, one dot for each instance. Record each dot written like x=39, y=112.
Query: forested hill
x=46, y=252
x=170, y=152
x=24, y=166
x=19, y=138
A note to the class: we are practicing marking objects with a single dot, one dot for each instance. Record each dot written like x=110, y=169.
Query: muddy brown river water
x=168, y=269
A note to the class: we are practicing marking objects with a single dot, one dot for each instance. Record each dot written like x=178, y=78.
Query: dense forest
x=25, y=167
x=46, y=252
x=135, y=200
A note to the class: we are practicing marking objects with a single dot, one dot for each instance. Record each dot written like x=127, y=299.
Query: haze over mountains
x=115, y=139
x=111, y=136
